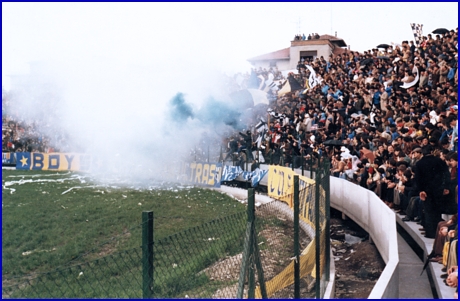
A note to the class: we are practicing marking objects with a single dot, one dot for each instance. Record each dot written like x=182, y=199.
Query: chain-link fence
x=218, y=259
x=195, y=263
x=113, y=276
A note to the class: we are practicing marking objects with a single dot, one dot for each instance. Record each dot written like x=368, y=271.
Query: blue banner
x=257, y=175
x=230, y=173
x=8, y=158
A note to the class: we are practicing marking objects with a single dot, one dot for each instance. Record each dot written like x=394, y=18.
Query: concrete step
x=433, y=270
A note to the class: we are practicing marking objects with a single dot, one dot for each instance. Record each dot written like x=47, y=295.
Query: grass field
x=51, y=219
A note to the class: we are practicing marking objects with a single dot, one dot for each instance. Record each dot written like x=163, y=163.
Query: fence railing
x=272, y=251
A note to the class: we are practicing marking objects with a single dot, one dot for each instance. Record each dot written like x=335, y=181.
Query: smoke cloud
x=133, y=119
x=137, y=86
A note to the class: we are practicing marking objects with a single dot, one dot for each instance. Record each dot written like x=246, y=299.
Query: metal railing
x=218, y=259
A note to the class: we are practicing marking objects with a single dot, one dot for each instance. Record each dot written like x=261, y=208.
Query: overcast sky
x=181, y=35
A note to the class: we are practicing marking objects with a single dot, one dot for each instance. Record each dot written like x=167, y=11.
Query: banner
x=281, y=183
x=53, y=161
x=230, y=173
x=418, y=32
x=257, y=175
x=8, y=158
x=204, y=174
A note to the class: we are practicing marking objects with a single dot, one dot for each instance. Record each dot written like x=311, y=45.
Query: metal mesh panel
x=207, y=261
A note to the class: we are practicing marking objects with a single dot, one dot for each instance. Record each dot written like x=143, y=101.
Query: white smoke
x=103, y=77
x=126, y=115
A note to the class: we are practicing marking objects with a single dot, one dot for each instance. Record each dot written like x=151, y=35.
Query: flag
x=417, y=31
x=285, y=88
x=269, y=83
x=290, y=85
x=261, y=128
x=248, y=98
x=312, y=81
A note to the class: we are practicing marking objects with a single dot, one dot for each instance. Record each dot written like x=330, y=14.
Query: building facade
x=288, y=58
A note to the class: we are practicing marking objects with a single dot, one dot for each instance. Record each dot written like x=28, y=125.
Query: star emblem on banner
x=23, y=160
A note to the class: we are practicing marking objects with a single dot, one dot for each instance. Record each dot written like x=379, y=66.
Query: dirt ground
x=357, y=266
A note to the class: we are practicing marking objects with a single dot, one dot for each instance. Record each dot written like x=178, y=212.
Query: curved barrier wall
x=370, y=213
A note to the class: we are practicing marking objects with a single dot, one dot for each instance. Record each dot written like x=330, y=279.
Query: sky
x=120, y=69
x=224, y=35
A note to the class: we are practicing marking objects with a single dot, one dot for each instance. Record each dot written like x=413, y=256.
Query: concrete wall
x=322, y=50
x=371, y=214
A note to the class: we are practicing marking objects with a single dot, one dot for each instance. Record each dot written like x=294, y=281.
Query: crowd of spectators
x=386, y=119
x=302, y=37
x=20, y=133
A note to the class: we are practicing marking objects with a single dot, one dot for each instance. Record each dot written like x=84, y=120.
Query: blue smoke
x=214, y=113
x=180, y=111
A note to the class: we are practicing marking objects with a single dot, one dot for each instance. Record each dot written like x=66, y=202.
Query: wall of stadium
x=371, y=214
x=362, y=206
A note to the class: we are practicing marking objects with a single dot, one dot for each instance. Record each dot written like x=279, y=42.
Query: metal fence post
x=147, y=254
x=317, y=235
x=251, y=218
x=326, y=184
x=302, y=162
x=296, y=239
x=247, y=245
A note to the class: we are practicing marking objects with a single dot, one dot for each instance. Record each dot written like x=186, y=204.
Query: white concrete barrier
x=370, y=213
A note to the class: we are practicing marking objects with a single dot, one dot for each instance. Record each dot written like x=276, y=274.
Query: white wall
x=371, y=214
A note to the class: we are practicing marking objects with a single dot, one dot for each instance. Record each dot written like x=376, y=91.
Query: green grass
x=93, y=222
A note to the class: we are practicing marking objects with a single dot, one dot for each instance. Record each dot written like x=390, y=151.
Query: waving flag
x=261, y=128
x=248, y=98
x=418, y=33
x=290, y=85
x=313, y=79
x=269, y=83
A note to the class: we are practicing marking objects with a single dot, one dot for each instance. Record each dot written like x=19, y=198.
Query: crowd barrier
x=362, y=206
x=370, y=213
